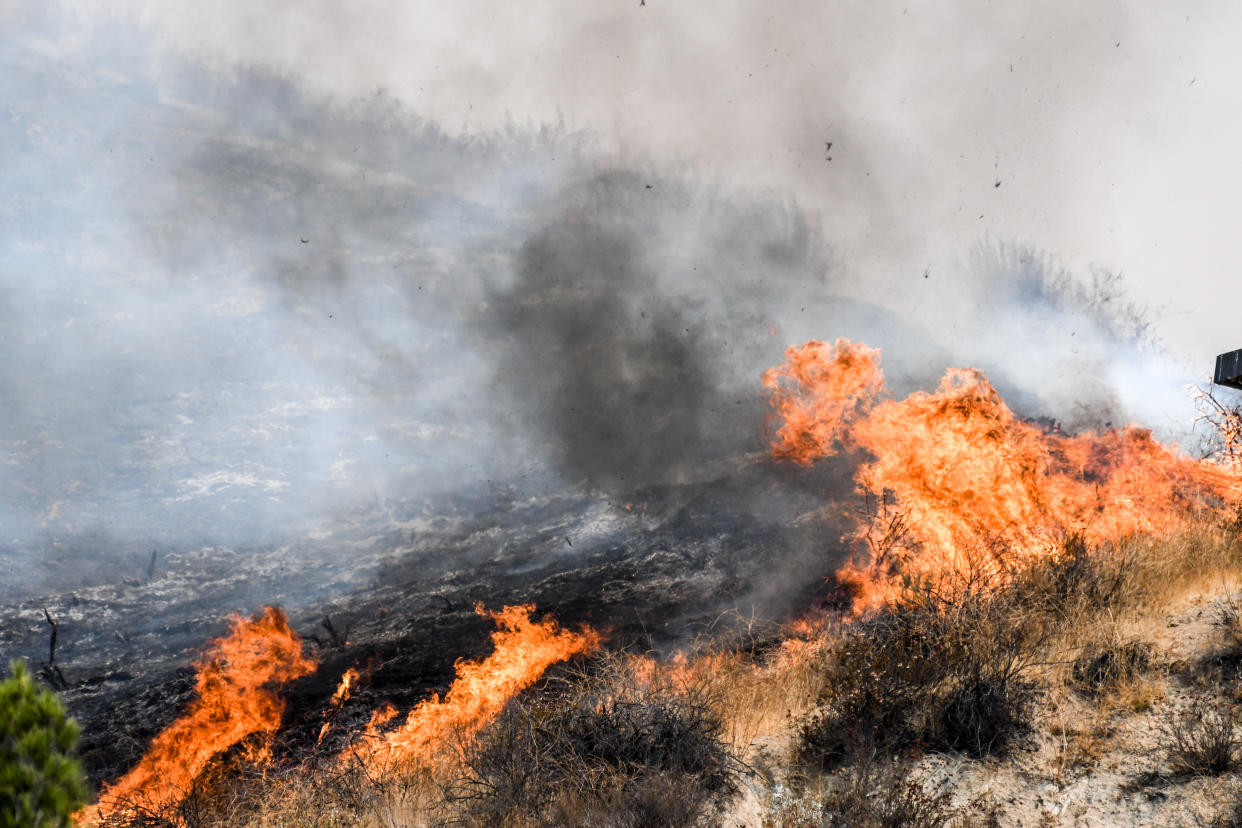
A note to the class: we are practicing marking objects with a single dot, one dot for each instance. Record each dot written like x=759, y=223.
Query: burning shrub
x=41, y=783
x=602, y=751
x=968, y=478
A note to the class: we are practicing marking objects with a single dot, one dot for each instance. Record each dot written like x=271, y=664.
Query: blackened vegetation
x=652, y=577
x=50, y=671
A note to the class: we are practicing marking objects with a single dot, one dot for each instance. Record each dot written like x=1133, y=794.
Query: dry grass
x=1065, y=650
x=605, y=743
x=871, y=792
x=1078, y=737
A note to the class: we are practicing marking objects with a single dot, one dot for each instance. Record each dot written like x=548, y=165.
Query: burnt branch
x=50, y=671
x=336, y=640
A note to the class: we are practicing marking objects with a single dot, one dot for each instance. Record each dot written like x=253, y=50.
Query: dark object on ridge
x=1229, y=369
x=50, y=671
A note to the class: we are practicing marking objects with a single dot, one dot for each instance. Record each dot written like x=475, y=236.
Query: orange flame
x=342, y=690
x=524, y=649
x=232, y=701
x=338, y=700
x=962, y=485
x=819, y=392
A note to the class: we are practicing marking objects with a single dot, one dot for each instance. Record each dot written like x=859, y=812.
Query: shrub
x=884, y=796
x=601, y=751
x=41, y=783
x=1224, y=662
x=949, y=671
x=1108, y=663
x=871, y=793
x=1203, y=740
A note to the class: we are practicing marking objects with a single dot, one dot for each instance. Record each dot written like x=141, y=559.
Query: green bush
x=41, y=783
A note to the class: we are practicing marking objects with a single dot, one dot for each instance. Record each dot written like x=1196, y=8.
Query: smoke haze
x=244, y=294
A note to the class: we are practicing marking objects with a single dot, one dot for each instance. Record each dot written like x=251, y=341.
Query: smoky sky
x=1107, y=125
x=236, y=308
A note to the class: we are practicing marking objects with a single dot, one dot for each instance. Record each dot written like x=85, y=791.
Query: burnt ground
x=403, y=580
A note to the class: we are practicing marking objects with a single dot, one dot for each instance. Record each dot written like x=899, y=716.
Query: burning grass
x=963, y=485
x=524, y=649
x=1000, y=568
x=233, y=703
x=207, y=768
x=842, y=708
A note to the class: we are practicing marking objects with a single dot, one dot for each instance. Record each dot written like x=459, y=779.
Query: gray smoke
x=632, y=333
x=235, y=310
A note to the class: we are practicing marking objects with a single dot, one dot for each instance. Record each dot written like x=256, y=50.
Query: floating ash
x=961, y=487
x=234, y=701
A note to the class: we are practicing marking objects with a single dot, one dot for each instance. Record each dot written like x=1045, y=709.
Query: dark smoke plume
x=630, y=334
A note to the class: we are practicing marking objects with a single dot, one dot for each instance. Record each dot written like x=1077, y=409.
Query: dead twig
x=50, y=671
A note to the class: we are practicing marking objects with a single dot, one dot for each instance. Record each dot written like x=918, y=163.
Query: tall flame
x=819, y=392
x=524, y=649
x=959, y=484
x=233, y=699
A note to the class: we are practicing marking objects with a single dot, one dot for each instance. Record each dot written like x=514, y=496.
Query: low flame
x=524, y=649
x=960, y=485
x=342, y=690
x=338, y=700
x=233, y=700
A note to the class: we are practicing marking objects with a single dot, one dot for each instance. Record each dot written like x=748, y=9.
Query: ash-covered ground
x=397, y=587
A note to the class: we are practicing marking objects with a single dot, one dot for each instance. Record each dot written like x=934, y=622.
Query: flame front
x=819, y=392
x=524, y=649
x=959, y=485
x=233, y=700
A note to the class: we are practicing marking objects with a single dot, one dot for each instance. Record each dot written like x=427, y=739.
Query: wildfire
x=342, y=690
x=233, y=700
x=524, y=649
x=338, y=700
x=959, y=485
